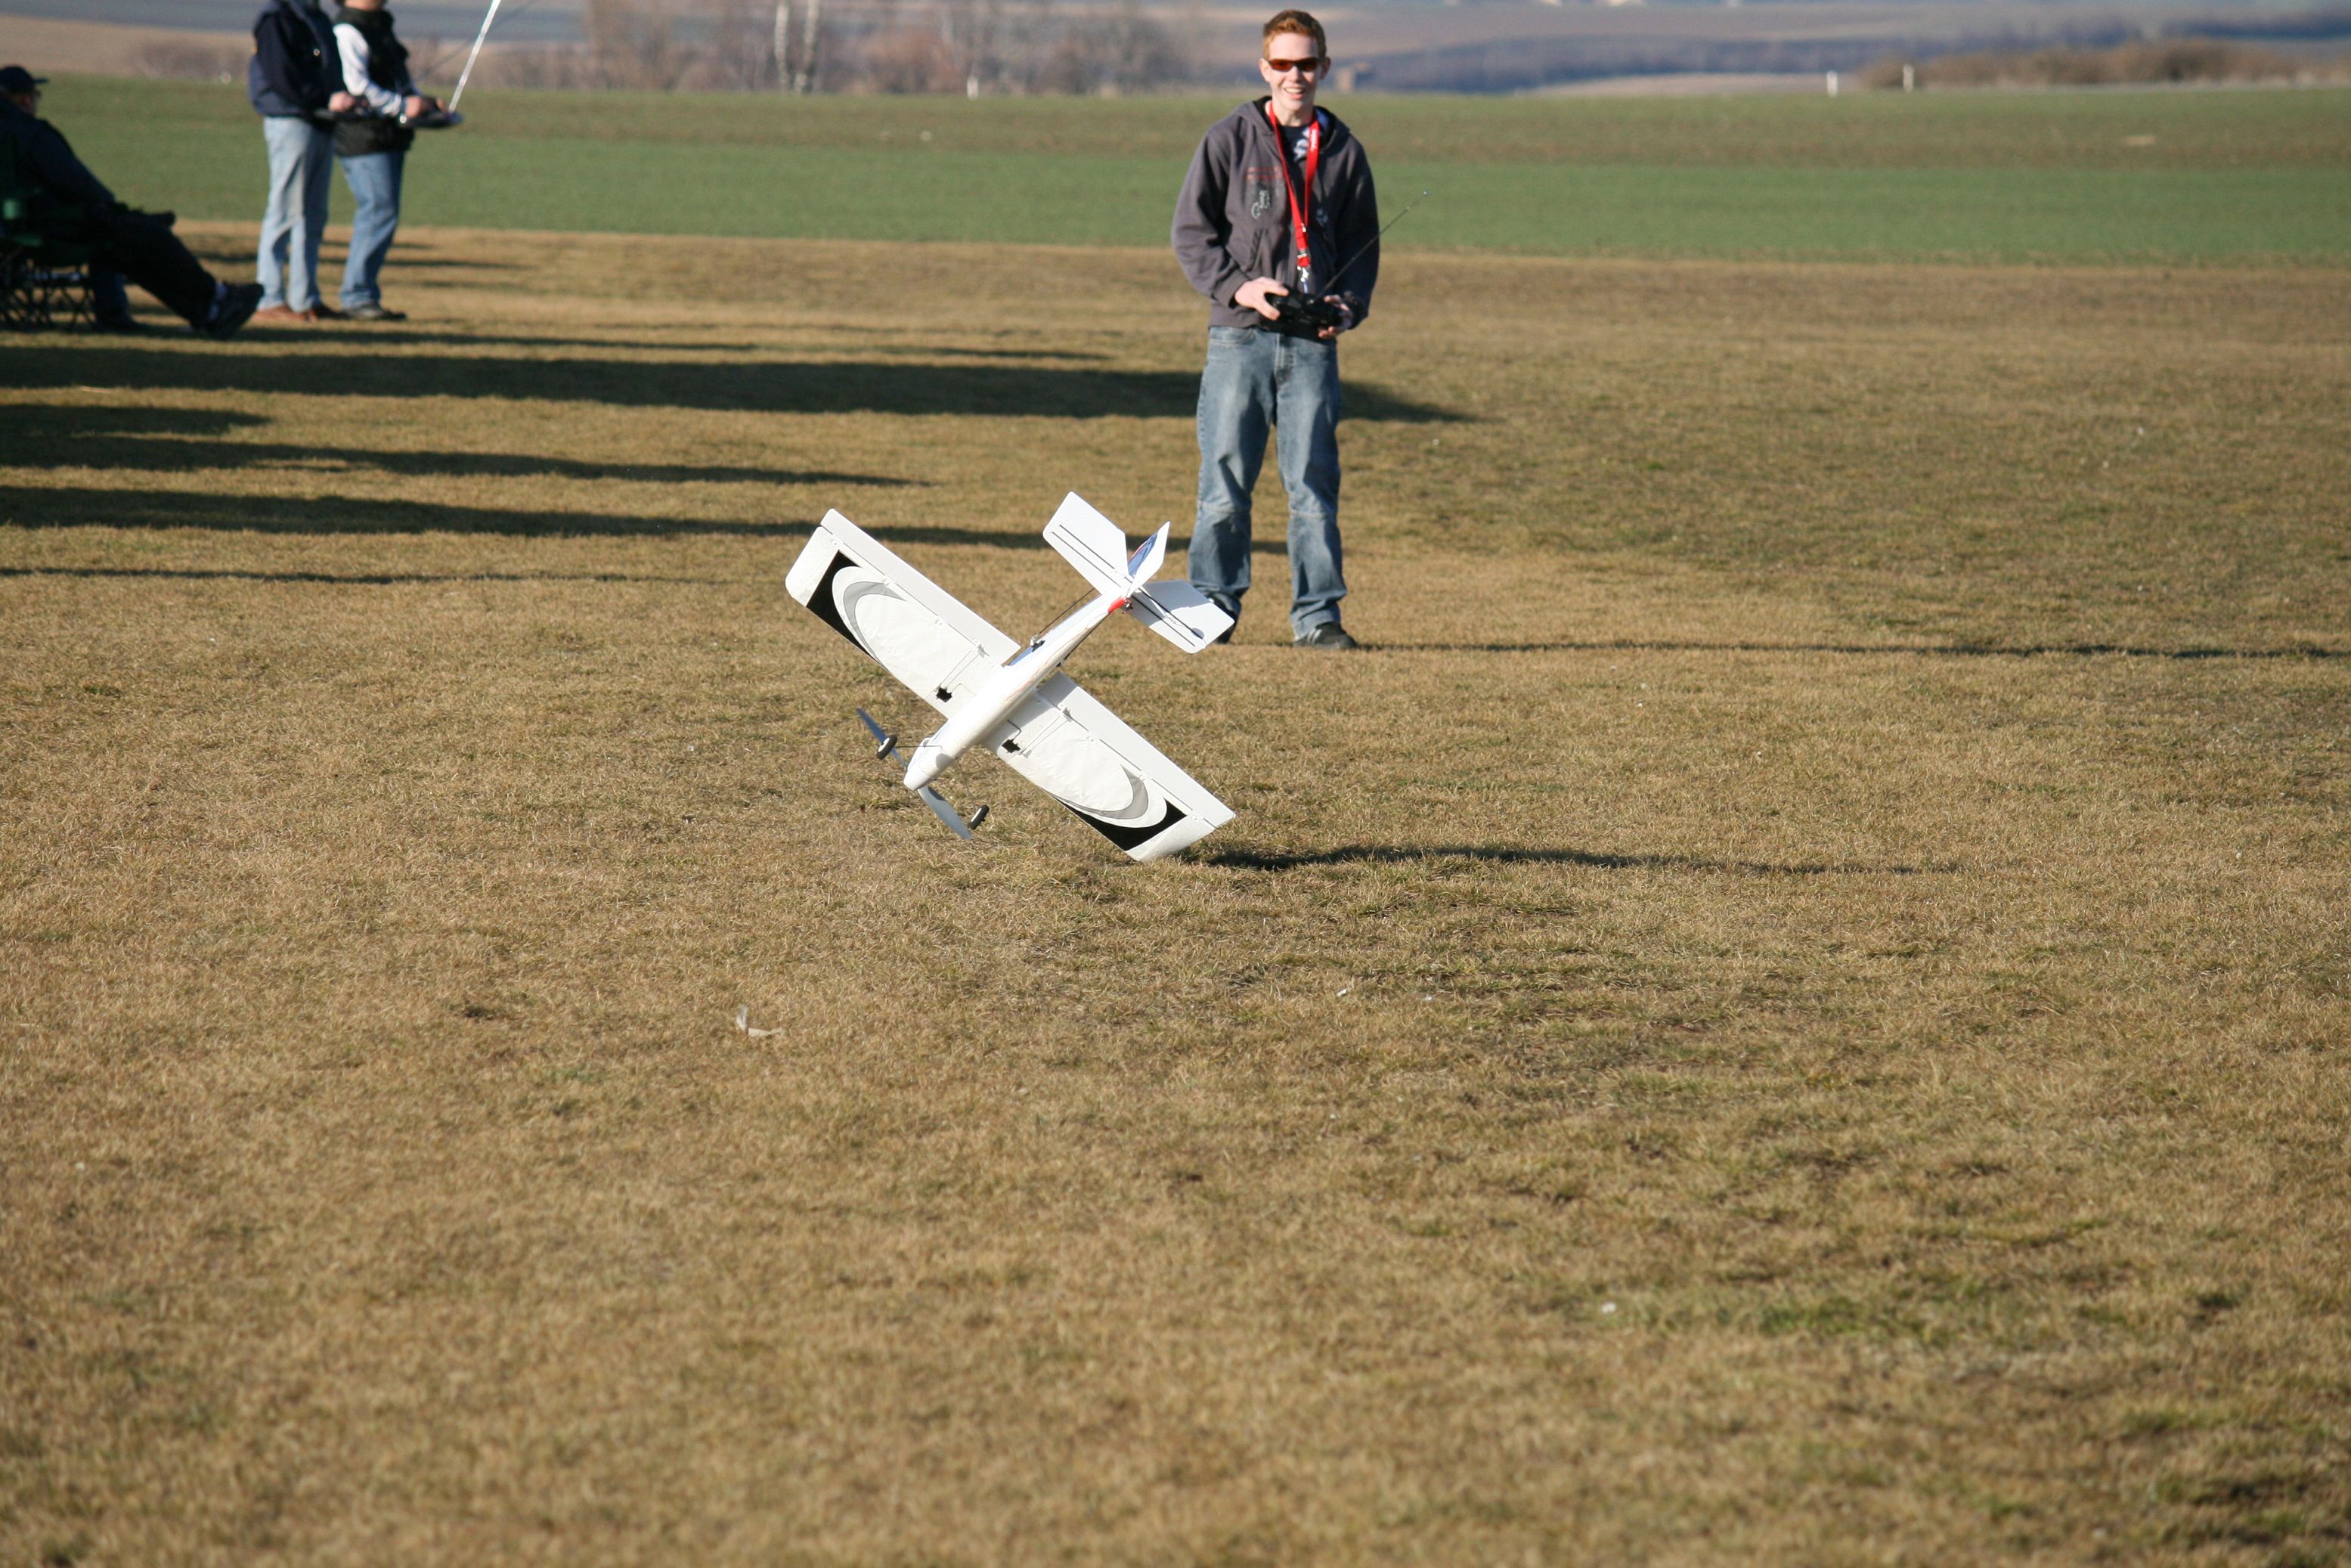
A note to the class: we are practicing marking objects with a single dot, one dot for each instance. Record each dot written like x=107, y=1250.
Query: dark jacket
x=294, y=70
x=1232, y=220
x=387, y=67
x=45, y=160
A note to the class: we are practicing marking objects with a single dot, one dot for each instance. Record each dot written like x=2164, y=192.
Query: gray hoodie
x=1232, y=221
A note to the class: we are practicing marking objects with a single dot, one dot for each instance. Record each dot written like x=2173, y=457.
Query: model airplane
x=1010, y=697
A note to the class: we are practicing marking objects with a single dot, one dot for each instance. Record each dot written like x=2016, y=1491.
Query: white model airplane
x=1009, y=696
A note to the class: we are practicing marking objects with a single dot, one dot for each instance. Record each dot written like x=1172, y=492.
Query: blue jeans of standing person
x=375, y=180
x=1254, y=380
x=301, y=157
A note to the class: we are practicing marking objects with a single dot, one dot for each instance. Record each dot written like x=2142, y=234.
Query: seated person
x=126, y=244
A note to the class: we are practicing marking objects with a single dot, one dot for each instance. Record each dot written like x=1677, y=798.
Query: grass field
x=2179, y=177
x=1791, y=1010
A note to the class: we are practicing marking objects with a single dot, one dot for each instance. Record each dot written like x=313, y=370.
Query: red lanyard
x=1297, y=207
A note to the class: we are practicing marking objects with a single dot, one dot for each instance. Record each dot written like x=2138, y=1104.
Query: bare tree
x=811, y=49
x=738, y=57
x=1124, y=51
x=629, y=47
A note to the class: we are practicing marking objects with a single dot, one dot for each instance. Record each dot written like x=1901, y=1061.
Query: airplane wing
x=901, y=620
x=1060, y=739
x=1081, y=754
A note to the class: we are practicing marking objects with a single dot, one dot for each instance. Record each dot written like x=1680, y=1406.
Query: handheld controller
x=1297, y=317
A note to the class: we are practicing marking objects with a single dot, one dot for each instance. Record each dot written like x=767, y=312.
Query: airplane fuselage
x=987, y=706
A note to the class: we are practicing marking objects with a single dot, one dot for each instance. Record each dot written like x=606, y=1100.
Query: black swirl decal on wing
x=1126, y=835
x=828, y=608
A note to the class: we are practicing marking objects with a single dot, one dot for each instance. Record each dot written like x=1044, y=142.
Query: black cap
x=16, y=78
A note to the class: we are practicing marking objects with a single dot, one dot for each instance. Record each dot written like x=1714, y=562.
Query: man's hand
x=1252, y=296
x=341, y=103
x=413, y=107
x=1346, y=318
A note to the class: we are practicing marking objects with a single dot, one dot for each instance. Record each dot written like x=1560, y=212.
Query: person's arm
x=282, y=60
x=1200, y=234
x=273, y=54
x=1357, y=231
x=353, y=45
x=51, y=161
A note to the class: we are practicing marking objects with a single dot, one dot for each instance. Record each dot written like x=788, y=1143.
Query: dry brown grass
x=1793, y=1010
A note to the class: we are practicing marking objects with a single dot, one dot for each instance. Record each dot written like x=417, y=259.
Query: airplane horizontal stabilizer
x=1181, y=613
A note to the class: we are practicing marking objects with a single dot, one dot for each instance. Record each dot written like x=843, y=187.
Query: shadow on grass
x=768, y=387
x=1904, y=650
x=173, y=440
x=331, y=258
x=71, y=507
x=1498, y=855
x=412, y=336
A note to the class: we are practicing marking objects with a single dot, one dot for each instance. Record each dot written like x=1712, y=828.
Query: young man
x=126, y=244
x=373, y=150
x=294, y=88
x=1277, y=201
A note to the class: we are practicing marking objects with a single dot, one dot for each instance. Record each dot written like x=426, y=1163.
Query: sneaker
x=231, y=310
x=1330, y=634
x=282, y=315
x=322, y=312
x=373, y=313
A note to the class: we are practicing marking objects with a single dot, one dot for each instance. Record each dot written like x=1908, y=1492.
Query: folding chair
x=44, y=278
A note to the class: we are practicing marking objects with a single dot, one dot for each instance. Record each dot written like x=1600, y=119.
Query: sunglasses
x=1303, y=67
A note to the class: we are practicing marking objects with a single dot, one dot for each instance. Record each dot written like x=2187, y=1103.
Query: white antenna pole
x=462, y=75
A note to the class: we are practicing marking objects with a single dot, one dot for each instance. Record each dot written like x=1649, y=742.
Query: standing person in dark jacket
x=79, y=207
x=373, y=150
x=295, y=83
x=1278, y=198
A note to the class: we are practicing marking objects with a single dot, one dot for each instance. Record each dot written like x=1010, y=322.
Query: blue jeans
x=1254, y=380
x=375, y=180
x=300, y=157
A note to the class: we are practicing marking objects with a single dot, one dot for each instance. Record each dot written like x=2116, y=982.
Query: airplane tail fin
x=1092, y=543
x=1144, y=564
x=1097, y=547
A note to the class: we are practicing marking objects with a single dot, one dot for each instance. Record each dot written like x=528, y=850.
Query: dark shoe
x=374, y=313
x=1330, y=634
x=322, y=312
x=121, y=326
x=232, y=309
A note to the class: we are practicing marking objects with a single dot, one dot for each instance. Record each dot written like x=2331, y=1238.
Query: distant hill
x=1088, y=46
x=541, y=21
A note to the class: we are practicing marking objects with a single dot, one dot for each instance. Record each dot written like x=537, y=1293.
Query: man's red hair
x=1297, y=22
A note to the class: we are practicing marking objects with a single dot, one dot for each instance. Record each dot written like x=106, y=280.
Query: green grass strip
x=1021, y=172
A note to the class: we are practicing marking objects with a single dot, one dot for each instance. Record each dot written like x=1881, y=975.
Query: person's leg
x=319, y=169
x=1236, y=407
x=1306, y=418
x=151, y=255
x=110, y=305
x=375, y=180
x=289, y=140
